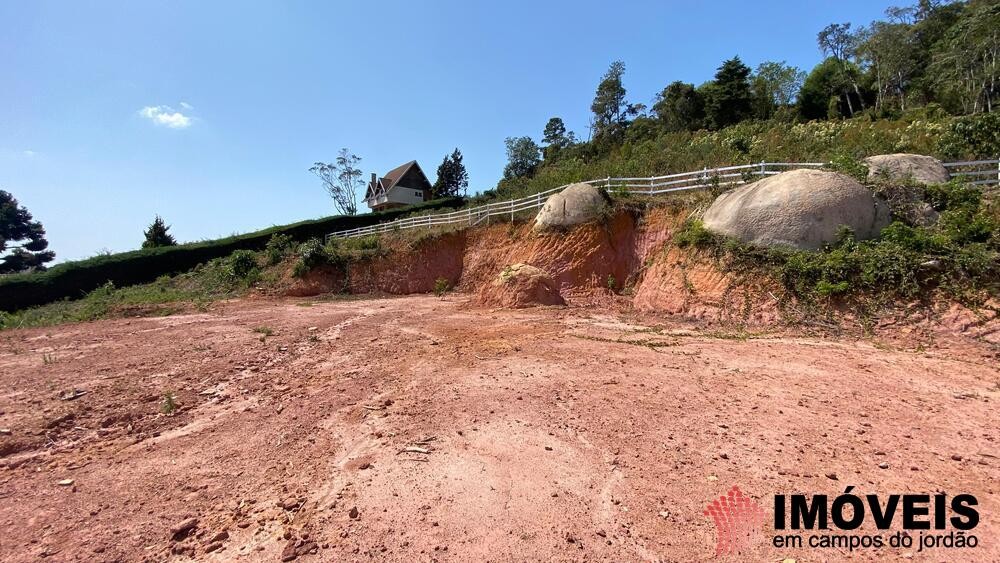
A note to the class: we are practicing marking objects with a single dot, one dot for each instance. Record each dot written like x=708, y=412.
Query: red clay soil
x=421, y=429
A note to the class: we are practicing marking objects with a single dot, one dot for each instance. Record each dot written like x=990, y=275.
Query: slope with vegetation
x=925, y=80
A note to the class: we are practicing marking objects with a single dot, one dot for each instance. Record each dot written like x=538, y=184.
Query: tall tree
x=890, y=52
x=452, y=178
x=774, y=85
x=342, y=180
x=729, y=99
x=611, y=110
x=22, y=237
x=837, y=42
x=556, y=138
x=968, y=62
x=156, y=235
x=827, y=91
x=679, y=107
x=522, y=157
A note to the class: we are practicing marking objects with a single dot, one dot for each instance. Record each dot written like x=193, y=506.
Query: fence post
x=762, y=168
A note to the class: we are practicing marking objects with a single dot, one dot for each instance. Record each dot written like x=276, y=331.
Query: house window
x=420, y=195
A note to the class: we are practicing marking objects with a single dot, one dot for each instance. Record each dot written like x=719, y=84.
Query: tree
x=729, y=99
x=556, y=138
x=341, y=180
x=968, y=63
x=890, y=52
x=680, y=107
x=157, y=235
x=837, y=41
x=452, y=178
x=827, y=92
x=774, y=85
x=522, y=157
x=22, y=236
x=611, y=110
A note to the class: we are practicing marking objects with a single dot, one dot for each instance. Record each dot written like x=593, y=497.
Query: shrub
x=278, y=246
x=242, y=263
x=441, y=286
x=693, y=233
x=311, y=253
x=972, y=136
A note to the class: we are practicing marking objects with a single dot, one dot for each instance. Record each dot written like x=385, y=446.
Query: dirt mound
x=578, y=203
x=904, y=167
x=519, y=286
x=800, y=208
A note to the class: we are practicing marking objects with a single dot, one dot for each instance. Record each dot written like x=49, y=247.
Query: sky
x=211, y=113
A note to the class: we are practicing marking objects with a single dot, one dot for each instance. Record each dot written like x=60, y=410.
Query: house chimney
x=373, y=182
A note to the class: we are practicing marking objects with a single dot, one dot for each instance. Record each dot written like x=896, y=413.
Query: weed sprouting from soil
x=168, y=403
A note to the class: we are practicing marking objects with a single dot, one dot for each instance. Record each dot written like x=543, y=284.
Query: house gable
x=405, y=184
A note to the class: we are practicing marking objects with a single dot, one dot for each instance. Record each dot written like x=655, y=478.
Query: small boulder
x=904, y=167
x=521, y=285
x=577, y=203
x=801, y=209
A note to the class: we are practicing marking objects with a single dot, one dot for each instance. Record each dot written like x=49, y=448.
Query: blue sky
x=210, y=113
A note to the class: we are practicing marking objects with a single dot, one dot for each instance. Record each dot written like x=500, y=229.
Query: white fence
x=978, y=172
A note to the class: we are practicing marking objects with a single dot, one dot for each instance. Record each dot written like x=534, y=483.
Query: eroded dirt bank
x=543, y=434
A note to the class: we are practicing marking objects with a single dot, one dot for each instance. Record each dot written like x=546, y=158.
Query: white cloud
x=28, y=153
x=166, y=116
x=186, y=105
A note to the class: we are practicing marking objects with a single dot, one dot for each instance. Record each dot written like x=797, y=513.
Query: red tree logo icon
x=738, y=519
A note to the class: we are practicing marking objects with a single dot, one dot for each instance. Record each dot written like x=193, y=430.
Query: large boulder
x=521, y=285
x=800, y=208
x=577, y=203
x=906, y=168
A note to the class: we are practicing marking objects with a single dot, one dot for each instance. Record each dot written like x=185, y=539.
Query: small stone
x=724, y=456
x=221, y=536
x=831, y=476
x=181, y=529
x=5, y=431
x=289, y=553
x=65, y=483
x=883, y=465
x=956, y=457
x=548, y=448
x=353, y=513
x=214, y=546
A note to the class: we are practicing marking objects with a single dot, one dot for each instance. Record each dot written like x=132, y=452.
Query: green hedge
x=74, y=279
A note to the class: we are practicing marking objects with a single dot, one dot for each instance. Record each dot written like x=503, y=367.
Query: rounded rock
x=903, y=167
x=576, y=204
x=802, y=209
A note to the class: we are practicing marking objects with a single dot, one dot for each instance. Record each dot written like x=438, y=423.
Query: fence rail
x=978, y=172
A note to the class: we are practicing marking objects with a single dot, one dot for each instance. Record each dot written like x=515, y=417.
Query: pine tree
x=452, y=178
x=157, y=235
x=23, y=236
x=729, y=100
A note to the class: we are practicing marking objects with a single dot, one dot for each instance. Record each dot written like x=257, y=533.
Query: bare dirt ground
x=418, y=429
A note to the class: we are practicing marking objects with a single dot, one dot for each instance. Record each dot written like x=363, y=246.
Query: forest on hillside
x=923, y=79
